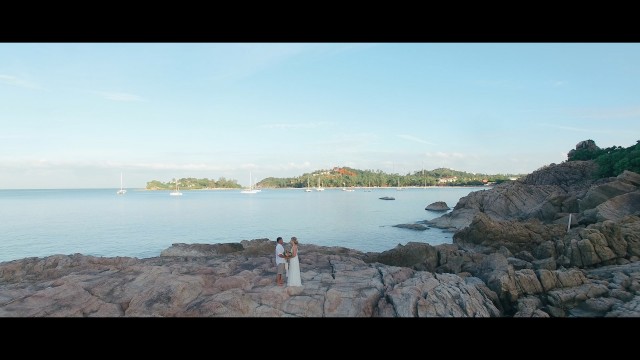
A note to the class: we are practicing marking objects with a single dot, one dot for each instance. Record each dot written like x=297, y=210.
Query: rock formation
x=234, y=280
x=438, y=206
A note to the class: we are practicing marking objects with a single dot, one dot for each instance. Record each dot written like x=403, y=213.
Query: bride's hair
x=294, y=240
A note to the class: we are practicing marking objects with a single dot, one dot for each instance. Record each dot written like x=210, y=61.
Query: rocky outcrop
x=514, y=235
x=586, y=145
x=438, y=206
x=202, y=250
x=336, y=283
x=600, y=244
x=418, y=256
x=547, y=194
x=612, y=200
x=556, y=220
x=414, y=280
x=416, y=226
x=560, y=204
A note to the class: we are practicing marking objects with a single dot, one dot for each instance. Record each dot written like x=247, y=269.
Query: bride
x=294, y=265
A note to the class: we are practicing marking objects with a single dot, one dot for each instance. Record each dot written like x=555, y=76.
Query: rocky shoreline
x=515, y=253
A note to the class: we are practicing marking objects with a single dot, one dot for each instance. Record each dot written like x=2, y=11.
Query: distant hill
x=350, y=177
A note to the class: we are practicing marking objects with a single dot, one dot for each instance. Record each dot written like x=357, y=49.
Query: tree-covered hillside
x=344, y=177
x=349, y=177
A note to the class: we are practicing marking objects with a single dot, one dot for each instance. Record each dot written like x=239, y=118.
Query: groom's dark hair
x=279, y=238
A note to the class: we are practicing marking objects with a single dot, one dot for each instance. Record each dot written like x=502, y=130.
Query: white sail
x=177, y=191
x=250, y=190
x=122, y=191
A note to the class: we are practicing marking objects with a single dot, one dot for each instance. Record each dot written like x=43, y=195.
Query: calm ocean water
x=143, y=223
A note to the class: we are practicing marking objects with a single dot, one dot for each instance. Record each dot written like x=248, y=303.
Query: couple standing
x=293, y=274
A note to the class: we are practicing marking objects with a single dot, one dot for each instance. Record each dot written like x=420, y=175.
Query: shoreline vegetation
x=345, y=177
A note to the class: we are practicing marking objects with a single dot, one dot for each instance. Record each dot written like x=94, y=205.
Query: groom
x=280, y=261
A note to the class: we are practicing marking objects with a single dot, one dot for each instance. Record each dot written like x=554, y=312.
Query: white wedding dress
x=294, y=272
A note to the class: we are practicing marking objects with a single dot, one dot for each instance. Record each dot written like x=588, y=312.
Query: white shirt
x=280, y=250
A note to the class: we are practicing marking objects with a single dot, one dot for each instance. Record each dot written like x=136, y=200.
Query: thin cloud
x=344, y=143
x=499, y=84
x=413, y=138
x=241, y=61
x=118, y=96
x=221, y=168
x=309, y=125
x=559, y=83
x=443, y=155
x=303, y=165
x=16, y=81
x=172, y=166
x=16, y=136
x=608, y=114
x=41, y=162
x=33, y=163
x=575, y=129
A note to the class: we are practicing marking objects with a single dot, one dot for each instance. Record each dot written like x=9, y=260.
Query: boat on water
x=308, y=189
x=176, y=192
x=387, y=198
x=250, y=190
x=319, y=188
x=122, y=191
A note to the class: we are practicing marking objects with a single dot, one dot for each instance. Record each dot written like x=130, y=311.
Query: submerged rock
x=412, y=226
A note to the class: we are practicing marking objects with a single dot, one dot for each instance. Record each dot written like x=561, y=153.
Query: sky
x=78, y=115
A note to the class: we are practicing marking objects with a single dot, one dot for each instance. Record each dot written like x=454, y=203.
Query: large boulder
x=626, y=182
x=438, y=206
x=418, y=256
x=513, y=235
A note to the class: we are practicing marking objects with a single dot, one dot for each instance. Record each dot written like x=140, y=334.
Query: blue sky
x=76, y=115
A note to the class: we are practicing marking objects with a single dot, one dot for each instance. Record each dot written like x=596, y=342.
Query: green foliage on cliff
x=612, y=161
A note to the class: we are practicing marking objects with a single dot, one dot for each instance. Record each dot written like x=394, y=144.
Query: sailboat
x=122, y=191
x=250, y=190
x=176, y=192
x=308, y=189
x=319, y=188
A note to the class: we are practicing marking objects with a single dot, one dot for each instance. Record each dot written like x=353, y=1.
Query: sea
x=143, y=223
